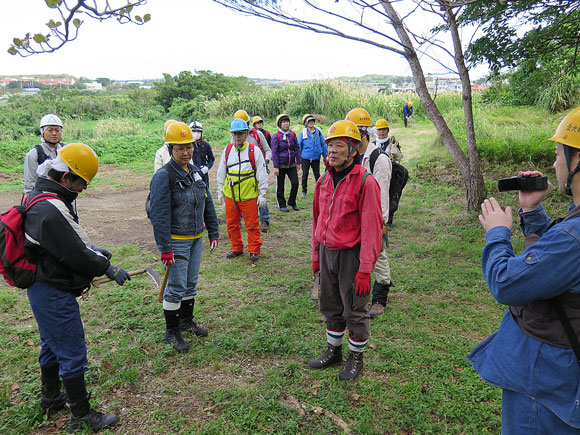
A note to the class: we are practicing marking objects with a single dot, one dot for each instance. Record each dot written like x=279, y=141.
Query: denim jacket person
x=182, y=208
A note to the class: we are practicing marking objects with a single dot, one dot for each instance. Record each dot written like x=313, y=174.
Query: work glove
x=117, y=274
x=262, y=201
x=362, y=283
x=221, y=198
x=204, y=170
x=167, y=258
x=103, y=251
x=267, y=162
x=213, y=244
x=315, y=267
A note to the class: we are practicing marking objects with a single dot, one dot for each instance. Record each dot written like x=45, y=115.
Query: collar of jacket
x=179, y=170
x=46, y=185
x=242, y=148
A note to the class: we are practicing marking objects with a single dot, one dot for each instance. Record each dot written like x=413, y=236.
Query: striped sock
x=356, y=346
x=334, y=337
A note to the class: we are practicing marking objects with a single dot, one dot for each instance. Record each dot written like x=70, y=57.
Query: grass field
x=250, y=375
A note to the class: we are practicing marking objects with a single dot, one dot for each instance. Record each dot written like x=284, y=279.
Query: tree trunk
x=469, y=169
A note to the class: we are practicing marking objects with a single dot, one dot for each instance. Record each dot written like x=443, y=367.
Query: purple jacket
x=285, y=151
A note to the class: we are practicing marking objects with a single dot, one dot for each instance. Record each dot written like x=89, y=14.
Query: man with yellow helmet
x=346, y=199
x=66, y=263
x=535, y=355
x=407, y=112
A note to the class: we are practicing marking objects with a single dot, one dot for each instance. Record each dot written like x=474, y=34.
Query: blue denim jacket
x=180, y=209
x=509, y=358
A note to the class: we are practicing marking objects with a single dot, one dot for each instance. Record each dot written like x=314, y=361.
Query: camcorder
x=531, y=182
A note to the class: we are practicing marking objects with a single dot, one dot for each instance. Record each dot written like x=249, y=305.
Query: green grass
x=264, y=328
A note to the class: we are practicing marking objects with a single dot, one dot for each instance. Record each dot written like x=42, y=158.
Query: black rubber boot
x=172, y=333
x=52, y=399
x=353, y=366
x=83, y=416
x=186, y=323
x=331, y=355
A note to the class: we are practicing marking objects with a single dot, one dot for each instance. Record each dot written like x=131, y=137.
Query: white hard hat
x=50, y=119
x=196, y=125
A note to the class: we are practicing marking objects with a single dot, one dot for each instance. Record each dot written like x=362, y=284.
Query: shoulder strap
x=362, y=183
x=252, y=156
x=324, y=177
x=373, y=158
x=39, y=198
x=172, y=174
x=572, y=338
x=41, y=155
x=228, y=149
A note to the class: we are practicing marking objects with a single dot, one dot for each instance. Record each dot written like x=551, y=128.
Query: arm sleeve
x=383, y=171
x=210, y=156
x=30, y=167
x=315, y=245
x=210, y=216
x=297, y=149
x=160, y=212
x=323, y=146
x=264, y=145
x=274, y=144
x=371, y=225
x=221, y=173
x=534, y=222
x=261, y=174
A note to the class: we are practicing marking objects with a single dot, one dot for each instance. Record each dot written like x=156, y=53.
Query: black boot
x=331, y=355
x=51, y=399
x=82, y=415
x=353, y=366
x=172, y=333
x=186, y=323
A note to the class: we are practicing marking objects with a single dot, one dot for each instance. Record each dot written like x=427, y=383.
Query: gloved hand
x=167, y=258
x=315, y=267
x=103, y=251
x=262, y=201
x=204, y=170
x=221, y=198
x=117, y=274
x=213, y=244
x=362, y=282
x=267, y=162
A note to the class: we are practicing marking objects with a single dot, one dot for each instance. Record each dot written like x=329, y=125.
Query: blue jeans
x=185, y=272
x=522, y=415
x=62, y=337
x=264, y=214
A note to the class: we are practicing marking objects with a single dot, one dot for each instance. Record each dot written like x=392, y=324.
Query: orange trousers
x=234, y=212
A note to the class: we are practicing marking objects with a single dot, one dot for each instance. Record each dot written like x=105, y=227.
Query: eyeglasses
x=188, y=150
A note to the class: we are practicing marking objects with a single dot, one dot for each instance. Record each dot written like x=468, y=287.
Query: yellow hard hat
x=410, y=103
x=256, y=119
x=81, y=159
x=280, y=117
x=382, y=123
x=178, y=133
x=344, y=128
x=568, y=132
x=242, y=114
x=360, y=117
x=169, y=121
x=307, y=118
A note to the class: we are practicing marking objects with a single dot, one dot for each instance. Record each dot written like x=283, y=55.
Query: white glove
x=213, y=244
x=221, y=198
x=204, y=170
x=261, y=201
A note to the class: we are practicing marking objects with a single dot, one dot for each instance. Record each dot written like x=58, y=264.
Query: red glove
x=167, y=258
x=362, y=282
x=315, y=267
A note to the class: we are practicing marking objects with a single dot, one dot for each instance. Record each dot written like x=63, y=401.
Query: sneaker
x=295, y=208
x=304, y=194
x=264, y=226
x=233, y=254
x=284, y=209
x=377, y=310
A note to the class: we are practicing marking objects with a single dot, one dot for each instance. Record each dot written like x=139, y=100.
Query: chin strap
x=571, y=173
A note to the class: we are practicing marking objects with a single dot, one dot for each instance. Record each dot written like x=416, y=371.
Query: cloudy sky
x=189, y=35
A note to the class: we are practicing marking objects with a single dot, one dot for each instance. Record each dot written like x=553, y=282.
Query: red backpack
x=14, y=266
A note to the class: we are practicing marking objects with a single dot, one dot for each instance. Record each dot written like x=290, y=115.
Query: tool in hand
x=154, y=276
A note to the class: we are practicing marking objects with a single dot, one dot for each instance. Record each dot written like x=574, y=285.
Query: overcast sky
x=192, y=35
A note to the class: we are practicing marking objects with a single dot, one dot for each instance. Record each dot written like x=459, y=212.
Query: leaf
x=138, y=18
x=39, y=38
x=129, y=9
x=53, y=3
x=17, y=42
x=29, y=342
x=12, y=51
x=77, y=22
x=146, y=17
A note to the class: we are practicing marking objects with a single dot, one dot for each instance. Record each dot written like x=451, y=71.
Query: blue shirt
x=510, y=358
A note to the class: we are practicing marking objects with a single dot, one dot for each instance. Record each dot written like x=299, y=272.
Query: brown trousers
x=339, y=304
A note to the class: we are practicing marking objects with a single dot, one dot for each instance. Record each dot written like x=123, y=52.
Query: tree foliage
x=65, y=27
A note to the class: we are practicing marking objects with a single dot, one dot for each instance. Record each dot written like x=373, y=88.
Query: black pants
x=293, y=176
x=306, y=165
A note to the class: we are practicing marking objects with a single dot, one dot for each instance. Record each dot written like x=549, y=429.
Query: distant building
x=94, y=86
x=30, y=91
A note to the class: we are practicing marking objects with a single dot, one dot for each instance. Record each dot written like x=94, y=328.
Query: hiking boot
x=173, y=336
x=295, y=208
x=264, y=226
x=186, y=323
x=284, y=209
x=331, y=355
x=52, y=399
x=353, y=366
x=233, y=254
x=304, y=194
x=254, y=258
x=377, y=310
x=82, y=415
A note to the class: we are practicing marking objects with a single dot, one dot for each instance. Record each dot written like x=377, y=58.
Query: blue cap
x=238, y=125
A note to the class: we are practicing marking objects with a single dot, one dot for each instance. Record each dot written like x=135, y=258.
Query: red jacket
x=344, y=217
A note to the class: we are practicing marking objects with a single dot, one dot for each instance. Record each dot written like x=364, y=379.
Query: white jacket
x=383, y=171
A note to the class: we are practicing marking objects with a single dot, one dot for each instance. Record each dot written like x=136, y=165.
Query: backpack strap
x=252, y=156
x=373, y=158
x=39, y=198
x=362, y=183
x=41, y=155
